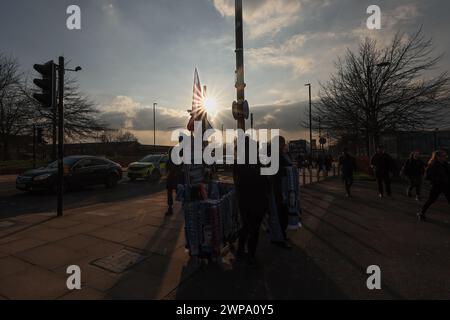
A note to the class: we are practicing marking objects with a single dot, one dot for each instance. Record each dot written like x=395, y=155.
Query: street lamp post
x=320, y=134
x=154, y=126
x=310, y=119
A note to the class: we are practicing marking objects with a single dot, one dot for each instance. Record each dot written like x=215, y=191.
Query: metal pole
x=154, y=126
x=310, y=121
x=60, y=136
x=251, y=121
x=240, y=83
x=34, y=146
x=54, y=112
x=320, y=135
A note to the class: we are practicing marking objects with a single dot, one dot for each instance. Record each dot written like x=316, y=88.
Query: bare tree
x=81, y=117
x=120, y=135
x=379, y=90
x=15, y=112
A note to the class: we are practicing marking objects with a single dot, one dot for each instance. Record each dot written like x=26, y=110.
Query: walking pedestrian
x=382, y=165
x=413, y=170
x=175, y=176
x=328, y=163
x=281, y=207
x=439, y=175
x=300, y=161
x=253, y=191
x=320, y=162
x=347, y=165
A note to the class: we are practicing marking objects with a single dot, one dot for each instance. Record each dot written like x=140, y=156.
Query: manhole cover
x=120, y=261
x=7, y=224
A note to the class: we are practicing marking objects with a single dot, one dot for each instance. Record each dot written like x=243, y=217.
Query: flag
x=197, y=112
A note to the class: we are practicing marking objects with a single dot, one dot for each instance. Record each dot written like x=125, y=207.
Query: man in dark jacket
x=252, y=190
x=347, y=165
x=413, y=170
x=382, y=165
x=438, y=173
x=282, y=210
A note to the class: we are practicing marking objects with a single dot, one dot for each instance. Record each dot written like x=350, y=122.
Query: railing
x=310, y=175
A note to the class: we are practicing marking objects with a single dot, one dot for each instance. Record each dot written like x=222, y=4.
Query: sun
x=210, y=104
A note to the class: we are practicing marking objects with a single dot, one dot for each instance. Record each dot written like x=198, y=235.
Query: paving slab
x=34, y=283
x=50, y=256
x=21, y=244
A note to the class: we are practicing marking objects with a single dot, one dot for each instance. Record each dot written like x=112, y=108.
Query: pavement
x=127, y=249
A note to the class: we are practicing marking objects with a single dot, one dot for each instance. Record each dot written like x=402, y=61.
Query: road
x=14, y=202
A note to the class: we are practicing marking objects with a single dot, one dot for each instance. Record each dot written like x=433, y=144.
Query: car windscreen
x=151, y=159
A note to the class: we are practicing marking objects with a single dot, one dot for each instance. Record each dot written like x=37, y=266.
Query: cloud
x=167, y=119
x=263, y=17
x=311, y=50
x=123, y=112
x=286, y=55
x=114, y=120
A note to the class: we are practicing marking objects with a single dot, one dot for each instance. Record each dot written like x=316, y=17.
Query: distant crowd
x=436, y=171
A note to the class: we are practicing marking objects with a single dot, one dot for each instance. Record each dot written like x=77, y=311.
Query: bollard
x=304, y=176
x=310, y=176
x=318, y=176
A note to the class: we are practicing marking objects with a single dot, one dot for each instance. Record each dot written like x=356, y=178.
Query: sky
x=137, y=52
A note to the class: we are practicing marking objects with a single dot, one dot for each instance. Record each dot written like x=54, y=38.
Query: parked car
x=151, y=167
x=79, y=171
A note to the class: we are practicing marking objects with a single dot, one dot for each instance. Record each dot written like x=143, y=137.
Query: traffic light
x=47, y=83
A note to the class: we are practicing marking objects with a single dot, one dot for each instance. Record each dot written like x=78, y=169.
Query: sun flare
x=210, y=104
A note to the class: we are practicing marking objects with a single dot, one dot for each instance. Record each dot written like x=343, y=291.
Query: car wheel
x=112, y=181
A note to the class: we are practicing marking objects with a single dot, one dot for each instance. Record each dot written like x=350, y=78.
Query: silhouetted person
x=413, y=170
x=175, y=176
x=382, y=165
x=300, y=161
x=321, y=162
x=328, y=163
x=252, y=190
x=347, y=165
x=282, y=209
x=439, y=175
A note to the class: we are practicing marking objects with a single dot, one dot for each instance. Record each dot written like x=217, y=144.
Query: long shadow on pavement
x=283, y=275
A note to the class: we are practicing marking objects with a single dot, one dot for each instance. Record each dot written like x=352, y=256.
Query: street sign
x=241, y=110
